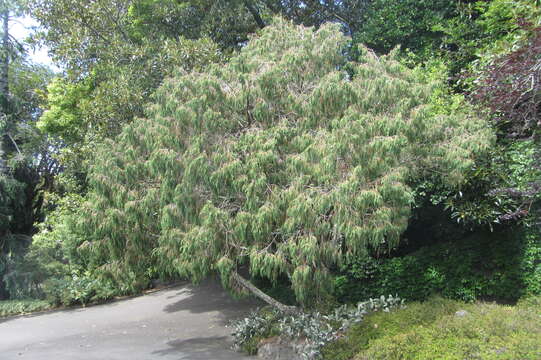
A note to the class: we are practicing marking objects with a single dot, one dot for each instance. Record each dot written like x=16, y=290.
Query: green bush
x=42, y=261
x=76, y=289
x=16, y=307
x=503, y=265
x=410, y=23
x=53, y=267
x=258, y=325
x=315, y=328
x=49, y=254
x=67, y=291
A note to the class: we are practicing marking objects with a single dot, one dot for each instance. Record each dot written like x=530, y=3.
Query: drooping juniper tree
x=283, y=162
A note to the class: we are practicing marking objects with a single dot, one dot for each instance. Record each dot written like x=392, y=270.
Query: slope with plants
x=283, y=158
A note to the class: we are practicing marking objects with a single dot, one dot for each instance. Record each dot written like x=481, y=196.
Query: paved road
x=183, y=322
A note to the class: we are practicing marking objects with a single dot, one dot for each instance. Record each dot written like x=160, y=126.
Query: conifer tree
x=283, y=162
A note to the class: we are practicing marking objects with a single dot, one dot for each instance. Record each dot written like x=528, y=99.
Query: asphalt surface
x=183, y=322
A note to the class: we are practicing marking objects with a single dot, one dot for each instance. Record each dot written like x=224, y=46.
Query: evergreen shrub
x=285, y=161
x=502, y=265
x=18, y=307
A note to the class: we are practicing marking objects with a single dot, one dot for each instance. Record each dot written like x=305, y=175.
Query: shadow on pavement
x=210, y=297
x=201, y=349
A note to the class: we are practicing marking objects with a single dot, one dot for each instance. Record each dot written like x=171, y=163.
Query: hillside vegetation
x=445, y=329
x=321, y=155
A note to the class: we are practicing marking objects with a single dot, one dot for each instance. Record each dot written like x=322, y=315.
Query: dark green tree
x=348, y=13
x=413, y=24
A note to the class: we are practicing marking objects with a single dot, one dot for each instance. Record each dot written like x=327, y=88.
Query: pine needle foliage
x=286, y=161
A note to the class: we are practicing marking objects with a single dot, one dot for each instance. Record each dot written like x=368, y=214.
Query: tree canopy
x=285, y=161
x=25, y=163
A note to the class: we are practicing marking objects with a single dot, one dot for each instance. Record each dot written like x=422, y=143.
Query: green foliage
x=114, y=60
x=482, y=201
x=499, y=25
x=258, y=325
x=413, y=24
x=347, y=13
x=502, y=265
x=498, y=187
x=279, y=160
x=227, y=23
x=17, y=307
x=509, y=165
x=501, y=186
x=25, y=163
x=114, y=92
x=53, y=268
x=12, y=200
x=483, y=30
x=315, y=329
x=66, y=106
x=46, y=257
x=466, y=35
x=85, y=289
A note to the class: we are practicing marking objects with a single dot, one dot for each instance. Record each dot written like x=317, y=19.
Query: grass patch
x=17, y=307
x=431, y=330
x=383, y=324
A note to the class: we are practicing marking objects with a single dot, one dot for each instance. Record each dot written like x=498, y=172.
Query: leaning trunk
x=261, y=295
x=255, y=14
x=4, y=66
x=4, y=78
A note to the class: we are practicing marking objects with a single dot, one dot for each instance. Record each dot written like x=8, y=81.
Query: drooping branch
x=261, y=295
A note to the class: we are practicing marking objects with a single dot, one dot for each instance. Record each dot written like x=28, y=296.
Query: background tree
x=285, y=161
x=113, y=64
x=510, y=86
x=495, y=65
x=123, y=49
x=349, y=14
x=25, y=163
x=10, y=50
x=413, y=24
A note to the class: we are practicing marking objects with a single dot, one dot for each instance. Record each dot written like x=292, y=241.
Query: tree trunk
x=261, y=295
x=4, y=66
x=4, y=79
x=255, y=14
x=4, y=295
